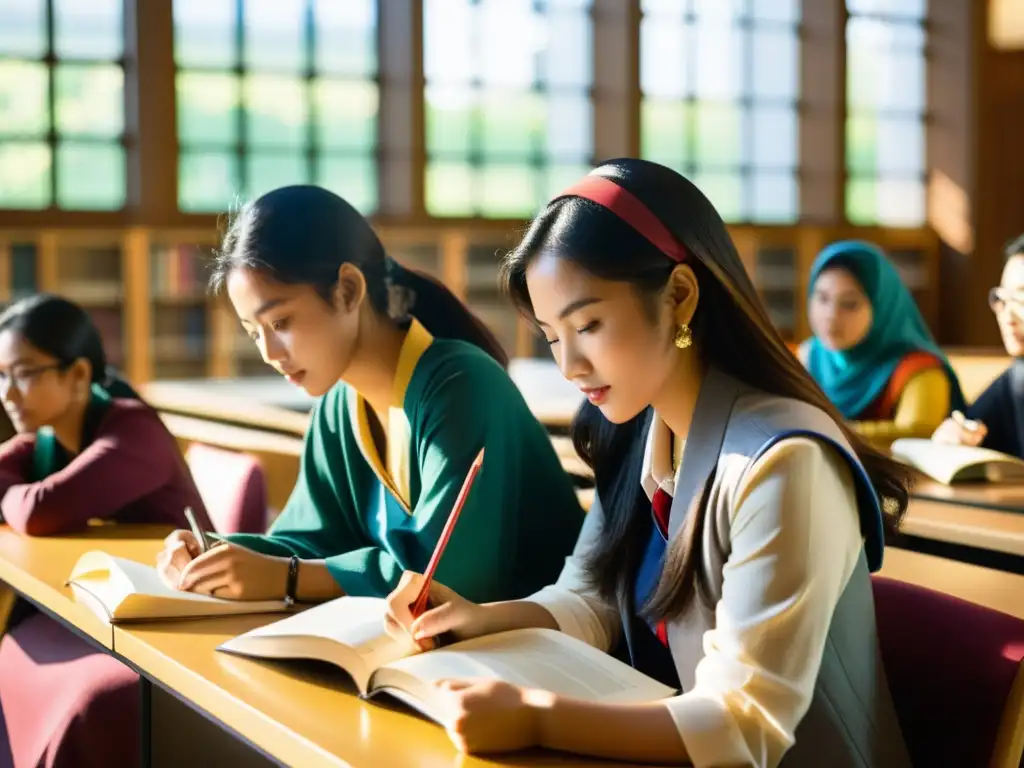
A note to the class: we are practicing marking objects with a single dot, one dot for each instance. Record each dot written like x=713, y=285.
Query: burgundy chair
x=955, y=674
x=232, y=486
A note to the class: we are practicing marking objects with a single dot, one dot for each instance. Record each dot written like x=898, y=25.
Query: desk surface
x=991, y=529
x=994, y=589
x=1008, y=496
x=38, y=567
x=301, y=714
x=271, y=402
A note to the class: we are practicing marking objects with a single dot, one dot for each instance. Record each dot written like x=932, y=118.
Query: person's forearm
x=315, y=582
x=516, y=614
x=642, y=733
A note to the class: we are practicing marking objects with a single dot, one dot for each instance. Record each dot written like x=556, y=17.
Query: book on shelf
x=117, y=590
x=949, y=464
x=349, y=633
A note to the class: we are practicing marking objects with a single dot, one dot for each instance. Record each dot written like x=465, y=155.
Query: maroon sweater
x=132, y=471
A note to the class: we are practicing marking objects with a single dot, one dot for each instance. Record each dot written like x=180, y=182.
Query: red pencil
x=420, y=605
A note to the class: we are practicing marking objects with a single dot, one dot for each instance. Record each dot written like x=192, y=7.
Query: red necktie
x=662, y=507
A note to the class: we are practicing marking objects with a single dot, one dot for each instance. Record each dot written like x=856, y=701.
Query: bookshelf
x=146, y=288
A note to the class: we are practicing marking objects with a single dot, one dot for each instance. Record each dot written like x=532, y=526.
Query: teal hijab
x=49, y=456
x=854, y=378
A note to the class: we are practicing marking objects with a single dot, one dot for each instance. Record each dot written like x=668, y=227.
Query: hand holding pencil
x=417, y=592
x=959, y=430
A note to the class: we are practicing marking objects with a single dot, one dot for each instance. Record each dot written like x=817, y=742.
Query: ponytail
x=440, y=311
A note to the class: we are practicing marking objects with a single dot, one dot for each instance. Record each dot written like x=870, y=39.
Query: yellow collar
x=394, y=474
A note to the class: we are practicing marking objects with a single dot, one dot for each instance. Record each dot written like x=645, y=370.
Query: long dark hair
x=303, y=234
x=732, y=331
x=63, y=330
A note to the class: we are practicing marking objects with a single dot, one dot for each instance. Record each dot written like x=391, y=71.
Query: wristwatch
x=293, y=581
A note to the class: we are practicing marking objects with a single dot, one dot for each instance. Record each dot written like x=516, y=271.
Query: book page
x=947, y=463
x=532, y=658
x=128, y=589
x=347, y=632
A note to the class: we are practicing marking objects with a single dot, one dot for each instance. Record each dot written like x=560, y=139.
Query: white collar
x=657, y=466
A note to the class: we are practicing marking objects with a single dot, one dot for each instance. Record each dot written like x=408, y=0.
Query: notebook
x=349, y=633
x=116, y=589
x=949, y=464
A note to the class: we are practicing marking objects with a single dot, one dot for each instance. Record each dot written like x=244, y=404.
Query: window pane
x=664, y=131
x=667, y=58
x=725, y=191
x=776, y=70
x=207, y=108
x=23, y=32
x=346, y=114
x=569, y=122
x=901, y=202
x=775, y=137
x=862, y=144
x=900, y=146
x=354, y=178
x=719, y=68
x=507, y=92
x=568, y=63
x=88, y=30
x=204, y=33
x=450, y=120
x=911, y=9
x=24, y=175
x=90, y=100
x=775, y=198
x=23, y=98
x=508, y=191
x=90, y=176
x=449, y=189
x=276, y=110
x=778, y=10
x=448, y=41
x=719, y=134
x=274, y=33
x=207, y=181
x=346, y=35
x=265, y=172
x=512, y=123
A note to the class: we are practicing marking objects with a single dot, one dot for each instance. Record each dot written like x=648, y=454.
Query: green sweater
x=521, y=518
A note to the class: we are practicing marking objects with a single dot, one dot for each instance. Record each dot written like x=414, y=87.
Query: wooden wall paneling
x=47, y=278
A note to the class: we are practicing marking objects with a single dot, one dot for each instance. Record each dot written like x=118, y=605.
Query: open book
x=950, y=464
x=116, y=590
x=349, y=633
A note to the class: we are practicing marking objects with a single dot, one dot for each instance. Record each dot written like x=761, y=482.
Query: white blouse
x=794, y=542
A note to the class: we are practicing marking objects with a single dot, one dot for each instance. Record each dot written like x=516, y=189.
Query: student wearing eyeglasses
x=996, y=419
x=86, y=448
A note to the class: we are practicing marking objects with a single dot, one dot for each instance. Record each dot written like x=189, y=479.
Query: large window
x=719, y=80
x=62, y=104
x=508, y=113
x=885, y=128
x=275, y=92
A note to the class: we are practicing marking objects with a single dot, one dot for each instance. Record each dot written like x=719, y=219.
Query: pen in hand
x=201, y=541
x=969, y=424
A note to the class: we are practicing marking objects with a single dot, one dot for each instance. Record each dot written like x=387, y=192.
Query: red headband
x=627, y=207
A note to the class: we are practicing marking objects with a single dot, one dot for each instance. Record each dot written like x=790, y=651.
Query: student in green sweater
x=413, y=386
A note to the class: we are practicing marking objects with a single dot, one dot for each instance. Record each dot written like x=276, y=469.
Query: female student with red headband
x=737, y=518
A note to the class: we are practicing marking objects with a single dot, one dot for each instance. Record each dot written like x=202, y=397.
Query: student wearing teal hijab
x=872, y=352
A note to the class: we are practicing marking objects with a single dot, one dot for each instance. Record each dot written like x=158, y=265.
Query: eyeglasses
x=24, y=378
x=1000, y=299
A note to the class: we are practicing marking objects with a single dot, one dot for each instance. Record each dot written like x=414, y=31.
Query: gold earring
x=684, y=336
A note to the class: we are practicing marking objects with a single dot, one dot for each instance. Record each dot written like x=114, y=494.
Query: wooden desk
x=998, y=590
x=298, y=714
x=1007, y=496
x=38, y=567
x=991, y=529
x=258, y=402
